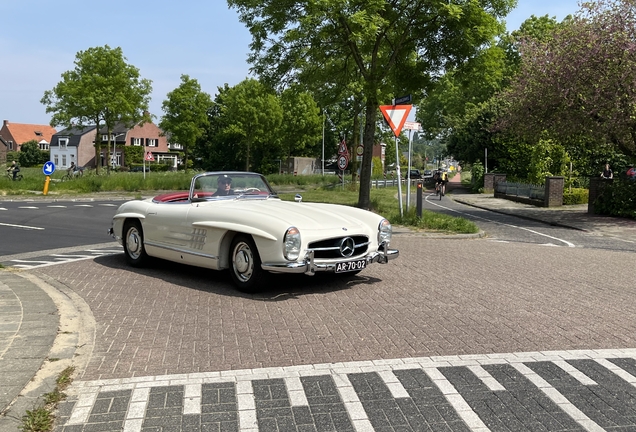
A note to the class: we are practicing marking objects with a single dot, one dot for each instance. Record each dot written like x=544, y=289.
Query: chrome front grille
x=340, y=247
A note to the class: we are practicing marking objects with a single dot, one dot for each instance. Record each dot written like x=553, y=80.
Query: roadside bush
x=576, y=196
x=618, y=199
x=477, y=177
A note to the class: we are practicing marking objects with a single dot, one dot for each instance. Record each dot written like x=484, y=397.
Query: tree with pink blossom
x=580, y=85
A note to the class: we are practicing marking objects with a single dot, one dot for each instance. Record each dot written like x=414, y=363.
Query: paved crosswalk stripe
x=246, y=406
x=575, y=373
x=558, y=398
x=292, y=385
x=618, y=371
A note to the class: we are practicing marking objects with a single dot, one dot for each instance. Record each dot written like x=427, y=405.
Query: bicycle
x=79, y=172
x=18, y=176
x=439, y=190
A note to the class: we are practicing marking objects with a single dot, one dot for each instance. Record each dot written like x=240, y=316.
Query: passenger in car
x=224, y=186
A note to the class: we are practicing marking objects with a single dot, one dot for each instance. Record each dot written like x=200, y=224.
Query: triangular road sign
x=149, y=156
x=396, y=115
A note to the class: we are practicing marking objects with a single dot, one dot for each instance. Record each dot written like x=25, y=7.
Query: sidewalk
x=28, y=327
x=572, y=216
x=43, y=330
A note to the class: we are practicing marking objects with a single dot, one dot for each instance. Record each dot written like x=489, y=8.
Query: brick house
x=148, y=135
x=73, y=145
x=4, y=149
x=16, y=134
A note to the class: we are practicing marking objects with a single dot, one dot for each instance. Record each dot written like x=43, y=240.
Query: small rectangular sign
x=402, y=100
x=412, y=125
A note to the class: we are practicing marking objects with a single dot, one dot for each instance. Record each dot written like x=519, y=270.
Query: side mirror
x=298, y=198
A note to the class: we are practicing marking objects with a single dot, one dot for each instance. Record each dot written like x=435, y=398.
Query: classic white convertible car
x=235, y=221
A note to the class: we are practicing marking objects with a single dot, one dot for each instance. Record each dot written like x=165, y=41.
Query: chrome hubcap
x=133, y=243
x=242, y=262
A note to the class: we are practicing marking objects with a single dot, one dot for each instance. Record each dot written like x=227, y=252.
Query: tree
x=253, y=116
x=30, y=154
x=381, y=46
x=301, y=128
x=580, y=85
x=185, y=114
x=101, y=89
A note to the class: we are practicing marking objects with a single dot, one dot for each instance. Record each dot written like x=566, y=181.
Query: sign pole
x=399, y=176
x=408, y=176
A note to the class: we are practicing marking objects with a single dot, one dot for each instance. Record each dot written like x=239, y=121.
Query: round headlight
x=384, y=232
x=291, y=244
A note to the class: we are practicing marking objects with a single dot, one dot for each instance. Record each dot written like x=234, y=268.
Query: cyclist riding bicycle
x=441, y=178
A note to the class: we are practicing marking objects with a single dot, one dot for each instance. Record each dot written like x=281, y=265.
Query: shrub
x=617, y=199
x=477, y=176
x=576, y=196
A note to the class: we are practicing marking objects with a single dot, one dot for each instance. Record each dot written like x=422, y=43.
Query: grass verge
x=384, y=202
x=41, y=419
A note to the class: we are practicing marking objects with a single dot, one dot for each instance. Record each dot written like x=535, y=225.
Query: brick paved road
x=491, y=298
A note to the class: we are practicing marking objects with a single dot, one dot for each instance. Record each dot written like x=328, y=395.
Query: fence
x=550, y=195
x=521, y=190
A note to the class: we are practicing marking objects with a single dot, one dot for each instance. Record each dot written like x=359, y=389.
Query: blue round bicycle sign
x=48, y=168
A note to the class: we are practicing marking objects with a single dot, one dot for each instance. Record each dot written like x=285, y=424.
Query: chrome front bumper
x=309, y=267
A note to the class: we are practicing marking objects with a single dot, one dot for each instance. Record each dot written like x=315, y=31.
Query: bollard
x=418, y=196
x=46, y=185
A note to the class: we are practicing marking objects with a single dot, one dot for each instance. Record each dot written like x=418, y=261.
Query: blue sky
x=164, y=39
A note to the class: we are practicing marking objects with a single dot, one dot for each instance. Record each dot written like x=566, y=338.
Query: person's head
x=225, y=182
x=13, y=163
x=606, y=166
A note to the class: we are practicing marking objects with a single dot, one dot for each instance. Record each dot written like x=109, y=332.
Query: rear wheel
x=133, y=239
x=245, y=264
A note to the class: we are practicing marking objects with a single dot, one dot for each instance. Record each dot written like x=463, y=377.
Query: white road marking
x=109, y=205
x=83, y=205
x=56, y=206
x=2, y=208
x=22, y=226
x=500, y=223
x=29, y=207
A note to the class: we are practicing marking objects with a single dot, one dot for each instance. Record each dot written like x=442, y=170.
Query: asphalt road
x=29, y=226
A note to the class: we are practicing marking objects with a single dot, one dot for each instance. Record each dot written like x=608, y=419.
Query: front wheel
x=245, y=264
x=133, y=239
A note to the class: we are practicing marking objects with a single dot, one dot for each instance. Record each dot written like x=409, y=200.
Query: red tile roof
x=22, y=132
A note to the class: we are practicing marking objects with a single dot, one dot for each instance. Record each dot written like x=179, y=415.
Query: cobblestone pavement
x=190, y=353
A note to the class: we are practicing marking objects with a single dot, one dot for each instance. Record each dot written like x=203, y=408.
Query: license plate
x=350, y=266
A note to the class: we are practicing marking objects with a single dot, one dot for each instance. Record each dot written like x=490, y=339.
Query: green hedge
x=576, y=196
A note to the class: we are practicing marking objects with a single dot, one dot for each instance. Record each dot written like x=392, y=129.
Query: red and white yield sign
x=396, y=115
x=149, y=156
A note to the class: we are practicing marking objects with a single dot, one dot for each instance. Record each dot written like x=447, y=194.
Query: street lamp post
x=113, y=157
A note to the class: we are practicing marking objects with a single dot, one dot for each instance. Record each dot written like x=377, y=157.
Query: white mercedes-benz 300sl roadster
x=235, y=221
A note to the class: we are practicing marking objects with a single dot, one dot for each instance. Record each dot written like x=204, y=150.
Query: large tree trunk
x=364, y=197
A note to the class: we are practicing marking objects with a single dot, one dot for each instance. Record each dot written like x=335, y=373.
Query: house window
x=104, y=138
x=151, y=142
x=44, y=146
x=10, y=145
x=64, y=160
x=63, y=143
x=38, y=133
x=136, y=141
x=56, y=160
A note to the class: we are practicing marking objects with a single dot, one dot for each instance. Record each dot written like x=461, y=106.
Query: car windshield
x=229, y=185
